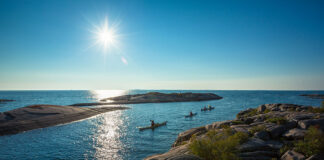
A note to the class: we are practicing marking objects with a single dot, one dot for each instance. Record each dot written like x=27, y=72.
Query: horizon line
x=165, y=89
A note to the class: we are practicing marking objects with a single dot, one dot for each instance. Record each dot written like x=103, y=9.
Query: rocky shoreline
x=273, y=131
x=41, y=116
x=154, y=97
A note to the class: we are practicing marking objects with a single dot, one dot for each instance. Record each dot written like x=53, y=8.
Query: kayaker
x=152, y=123
x=209, y=106
x=205, y=108
x=191, y=113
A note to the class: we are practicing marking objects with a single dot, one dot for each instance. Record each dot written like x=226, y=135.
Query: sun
x=105, y=35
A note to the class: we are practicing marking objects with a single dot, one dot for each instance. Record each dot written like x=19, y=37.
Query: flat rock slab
x=295, y=133
x=304, y=124
x=186, y=135
x=40, y=116
x=176, y=153
x=154, y=97
x=255, y=144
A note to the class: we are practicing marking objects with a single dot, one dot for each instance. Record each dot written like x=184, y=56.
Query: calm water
x=114, y=135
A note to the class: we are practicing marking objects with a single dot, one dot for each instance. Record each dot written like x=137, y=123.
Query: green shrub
x=253, y=112
x=313, y=142
x=285, y=148
x=237, y=122
x=257, y=129
x=317, y=109
x=224, y=126
x=277, y=120
x=266, y=110
x=218, y=145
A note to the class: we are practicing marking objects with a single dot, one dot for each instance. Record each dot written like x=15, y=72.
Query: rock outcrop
x=40, y=116
x=271, y=128
x=154, y=97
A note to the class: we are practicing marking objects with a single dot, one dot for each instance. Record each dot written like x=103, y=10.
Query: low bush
x=266, y=110
x=236, y=122
x=317, y=109
x=218, y=145
x=286, y=148
x=313, y=142
x=253, y=112
x=257, y=129
x=277, y=120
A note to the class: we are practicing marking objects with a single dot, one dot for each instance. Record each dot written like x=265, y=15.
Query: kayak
x=207, y=109
x=152, y=127
x=190, y=115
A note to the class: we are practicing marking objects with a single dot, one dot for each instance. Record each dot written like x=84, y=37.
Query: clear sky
x=176, y=44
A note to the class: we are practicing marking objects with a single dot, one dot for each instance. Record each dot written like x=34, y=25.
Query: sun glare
x=105, y=35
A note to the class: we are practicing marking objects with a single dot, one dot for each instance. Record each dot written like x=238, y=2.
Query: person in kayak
x=205, y=108
x=191, y=113
x=152, y=123
x=209, y=106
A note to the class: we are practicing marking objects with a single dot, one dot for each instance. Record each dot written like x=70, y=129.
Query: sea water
x=114, y=135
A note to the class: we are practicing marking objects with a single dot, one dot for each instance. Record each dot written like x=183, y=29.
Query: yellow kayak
x=155, y=126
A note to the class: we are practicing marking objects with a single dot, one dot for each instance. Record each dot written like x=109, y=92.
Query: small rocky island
x=268, y=132
x=155, y=97
x=314, y=96
x=6, y=100
x=40, y=116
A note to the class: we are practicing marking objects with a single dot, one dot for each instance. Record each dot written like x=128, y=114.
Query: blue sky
x=178, y=44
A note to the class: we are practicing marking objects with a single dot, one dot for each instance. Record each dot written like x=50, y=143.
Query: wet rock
x=292, y=155
x=264, y=135
x=295, y=134
x=304, y=124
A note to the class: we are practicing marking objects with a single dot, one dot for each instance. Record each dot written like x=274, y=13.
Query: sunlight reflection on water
x=107, y=136
x=101, y=94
